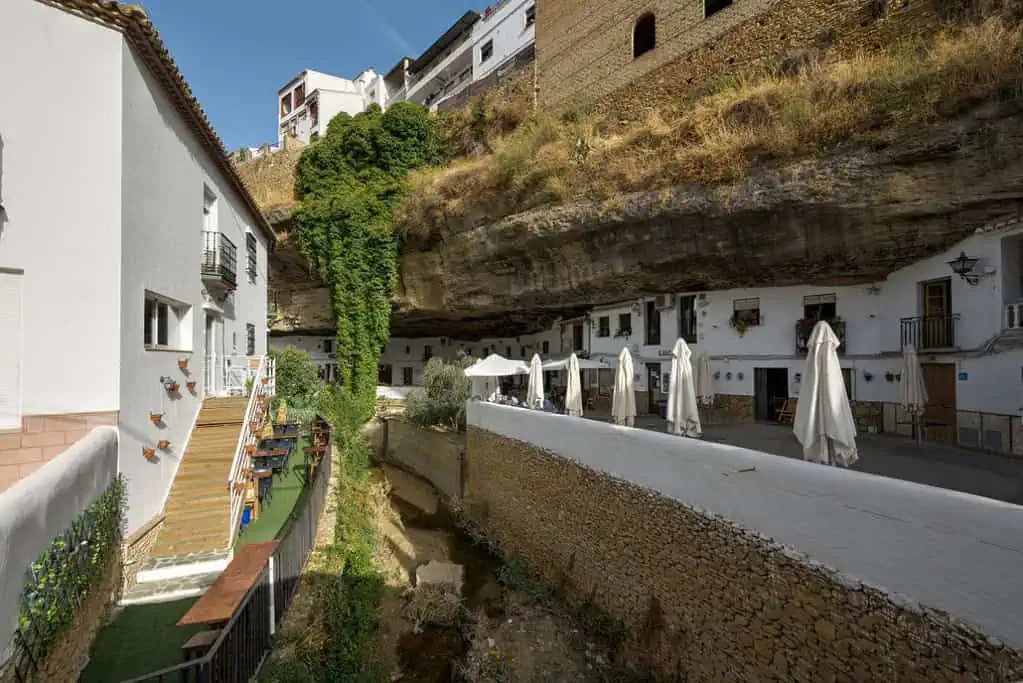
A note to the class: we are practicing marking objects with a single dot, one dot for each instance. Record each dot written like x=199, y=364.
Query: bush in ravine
x=442, y=399
x=298, y=379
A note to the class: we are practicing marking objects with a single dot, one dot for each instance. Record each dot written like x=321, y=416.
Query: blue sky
x=236, y=53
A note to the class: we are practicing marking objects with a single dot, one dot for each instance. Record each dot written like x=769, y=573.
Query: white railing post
x=247, y=437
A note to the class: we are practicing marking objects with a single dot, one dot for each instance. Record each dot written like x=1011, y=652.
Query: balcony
x=804, y=328
x=219, y=261
x=929, y=332
x=1014, y=316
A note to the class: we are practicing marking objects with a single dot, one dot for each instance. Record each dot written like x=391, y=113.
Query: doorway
x=769, y=385
x=940, y=422
x=210, y=357
x=653, y=385
x=385, y=375
x=937, y=302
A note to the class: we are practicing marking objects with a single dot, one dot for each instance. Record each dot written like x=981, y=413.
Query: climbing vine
x=349, y=183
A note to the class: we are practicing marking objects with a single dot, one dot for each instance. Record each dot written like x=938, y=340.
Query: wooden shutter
x=10, y=350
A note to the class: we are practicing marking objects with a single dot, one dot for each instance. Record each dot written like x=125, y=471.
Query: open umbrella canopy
x=574, y=391
x=683, y=414
x=705, y=381
x=534, y=395
x=584, y=364
x=497, y=366
x=913, y=390
x=623, y=402
x=824, y=422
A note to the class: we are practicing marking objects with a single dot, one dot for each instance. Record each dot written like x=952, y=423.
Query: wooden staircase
x=196, y=514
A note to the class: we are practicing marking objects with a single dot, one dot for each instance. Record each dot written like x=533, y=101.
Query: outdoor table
x=289, y=429
x=216, y=607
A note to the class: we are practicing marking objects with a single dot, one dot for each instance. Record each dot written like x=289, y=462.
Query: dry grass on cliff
x=761, y=117
x=271, y=178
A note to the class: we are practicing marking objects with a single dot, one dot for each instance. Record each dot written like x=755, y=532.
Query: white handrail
x=247, y=437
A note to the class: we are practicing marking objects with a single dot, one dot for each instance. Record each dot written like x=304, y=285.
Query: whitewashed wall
x=507, y=28
x=164, y=174
x=60, y=131
x=947, y=550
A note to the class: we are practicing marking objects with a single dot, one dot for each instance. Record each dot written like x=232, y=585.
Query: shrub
x=297, y=377
x=442, y=399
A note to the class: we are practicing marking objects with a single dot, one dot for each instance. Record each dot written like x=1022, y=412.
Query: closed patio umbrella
x=623, y=402
x=534, y=394
x=824, y=422
x=704, y=381
x=913, y=391
x=574, y=391
x=683, y=414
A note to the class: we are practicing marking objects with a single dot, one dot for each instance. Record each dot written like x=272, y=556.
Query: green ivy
x=69, y=570
x=349, y=183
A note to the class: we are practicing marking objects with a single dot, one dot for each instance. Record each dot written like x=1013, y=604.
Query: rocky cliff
x=851, y=216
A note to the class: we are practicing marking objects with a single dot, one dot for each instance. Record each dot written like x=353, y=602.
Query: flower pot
x=183, y=364
x=266, y=380
x=156, y=418
x=191, y=386
x=251, y=450
x=173, y=388
x=163, y=445
x=149, y=453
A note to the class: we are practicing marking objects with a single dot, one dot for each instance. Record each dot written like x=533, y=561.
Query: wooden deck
x=199, y=502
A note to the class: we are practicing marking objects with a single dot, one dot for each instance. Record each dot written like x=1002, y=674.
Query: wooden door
x=937, y=322
x=940, y=422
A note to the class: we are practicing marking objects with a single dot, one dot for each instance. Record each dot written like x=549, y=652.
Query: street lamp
x=963, y=267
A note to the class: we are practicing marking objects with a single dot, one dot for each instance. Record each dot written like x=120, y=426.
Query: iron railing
x=929, y=331
x=264, y=387
x=243, y=643
x=804, y=328
x=219, y=258
x=1014, y=316
x=990, y=432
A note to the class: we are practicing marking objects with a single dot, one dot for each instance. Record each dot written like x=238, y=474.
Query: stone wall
x=434, y=454
x=70, y=652
x=702, y=598
x=41, y=439
x=136, y=549
x=584, y=56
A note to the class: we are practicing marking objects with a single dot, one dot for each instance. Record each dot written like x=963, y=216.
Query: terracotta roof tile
x=134, y=23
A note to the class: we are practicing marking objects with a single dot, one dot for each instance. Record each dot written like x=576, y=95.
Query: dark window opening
x=577, y=337
x=546, y=348
x=162, y=323
x=487, y=51
x=624, y=325
x=507, y=352
x=530, y=15
x=687, y=318
x=604, y=326
x=644, y=35
x=406, y=376
x=250, y=339
x=653, y=323
x=328, y=345
x=427, y=352
x=714, y=6
x=150, y=314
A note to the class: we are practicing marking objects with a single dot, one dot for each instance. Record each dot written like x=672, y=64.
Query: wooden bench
x=199, y=644
x=216, y=607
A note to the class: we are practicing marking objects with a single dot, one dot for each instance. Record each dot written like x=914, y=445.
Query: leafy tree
x=442, y=399
x=297, y=377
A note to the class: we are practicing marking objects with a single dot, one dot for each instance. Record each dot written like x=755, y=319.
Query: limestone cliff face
x=853, y=215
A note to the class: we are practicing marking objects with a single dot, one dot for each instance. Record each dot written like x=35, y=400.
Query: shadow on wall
x=3, y=209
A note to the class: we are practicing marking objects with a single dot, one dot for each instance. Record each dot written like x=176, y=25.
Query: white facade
x=104, y=212
x=504, y=32
x=310, y=100
x=321, y=350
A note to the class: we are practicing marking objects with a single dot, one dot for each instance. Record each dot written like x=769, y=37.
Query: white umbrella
x=913, y=390
x=683, y=415
x=574, y=392
x=705, y=381
x=824, y=422
x=623, y=402
x=534, y=395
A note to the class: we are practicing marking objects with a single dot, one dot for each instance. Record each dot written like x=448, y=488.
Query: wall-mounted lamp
x=728, y=377
x=963, y=267
x=889, y=376
x=867, y=376
x=740, y=376
x=797, y=378
x=717, y=374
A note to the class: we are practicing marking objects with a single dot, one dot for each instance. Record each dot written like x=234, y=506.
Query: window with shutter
x=10, y=358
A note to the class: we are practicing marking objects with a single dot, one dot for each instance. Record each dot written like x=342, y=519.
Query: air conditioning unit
x=664, y=302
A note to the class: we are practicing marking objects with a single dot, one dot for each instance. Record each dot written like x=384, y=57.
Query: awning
x=497, y=366
x=584, y=364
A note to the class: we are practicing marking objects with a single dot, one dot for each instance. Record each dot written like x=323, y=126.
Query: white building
x=307, y=103
x=128, y=247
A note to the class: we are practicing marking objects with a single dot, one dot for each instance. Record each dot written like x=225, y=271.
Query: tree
x=442, y=399
x=297, y=377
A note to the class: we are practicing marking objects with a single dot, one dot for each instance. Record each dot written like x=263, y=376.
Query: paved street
x=958, y=469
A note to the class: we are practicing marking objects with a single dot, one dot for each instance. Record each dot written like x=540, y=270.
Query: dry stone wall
x=583, y=56
x=703, y=599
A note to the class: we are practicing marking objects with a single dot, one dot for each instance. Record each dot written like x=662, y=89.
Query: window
x=328, y=345
x=250, y=339
x=427, y=352
x=487, y=51
x=687, y=318
x=653, y=323
x=546, y=348
x=746, y=310
x=820, y=307
x=577, y=337
x=250, y=252
x=507, y=353
x=406, y=376
x=848, y=376
x=624, y=325
x=530, y=15
x=300, y=95
x=286, y=105
x=209, y=210
x=314, y=113
x=522, y=352
x=644, y=35
x=166, y=324
x=714, y=6
x=604, y=326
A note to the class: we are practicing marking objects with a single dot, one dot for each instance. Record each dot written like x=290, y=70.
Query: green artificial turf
x=141, y=639
x=288, y=494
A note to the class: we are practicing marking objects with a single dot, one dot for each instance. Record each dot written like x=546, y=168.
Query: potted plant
x=156, y=418
x=149, y=453
x=183, y=363
x=173, y=388
x=191, y=386
x=163, y=445
x=739, y=324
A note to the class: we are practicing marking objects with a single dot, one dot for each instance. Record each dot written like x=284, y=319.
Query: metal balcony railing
x=929, y=331
x=804, y=328
x=1014, y=316
x=219, y=258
